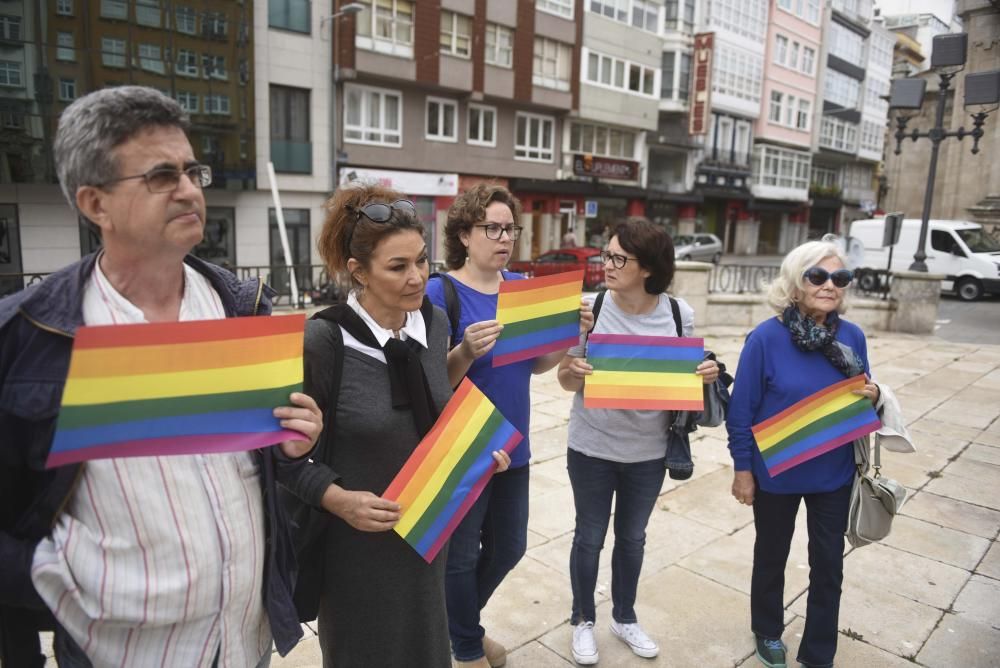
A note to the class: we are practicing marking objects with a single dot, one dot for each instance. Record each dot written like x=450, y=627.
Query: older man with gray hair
x=167, y=561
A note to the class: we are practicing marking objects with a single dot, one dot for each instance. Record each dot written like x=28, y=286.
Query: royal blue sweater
x=772, y=375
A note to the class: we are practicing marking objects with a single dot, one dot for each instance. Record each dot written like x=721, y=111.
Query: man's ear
x=90, y=200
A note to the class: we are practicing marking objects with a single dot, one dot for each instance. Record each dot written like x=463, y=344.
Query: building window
x=291, y=15
x=217, y=104
x=667, y=75
x=113, y=52
x=184, y=20
x=823, y=177
x=482, y=124
x=645, y=15
x=187, y=63
x=499, y=45
x=64, y=7
x=188, y=101
x=291, y=149
x=67, y=90
x=737, y=72
x=802, y=119
x=299, y=236
x=214, y=24
x=147, y=13
x=847, y=44
x=841, y=89
x=552, y=64
x=747, y=18
x=807, y=10
x=214, y=67
x=601, y=140
x=533, y=137
x=789, y=110
x=456, y=34
x=872, y=136
x=774, y=112
x=838, y=135
x=373, y=116
x=10, y=27
x=875, y=91
x=602, y=70
x=563, y=8
x=613, y=9
x=65, y=47
x=441, y=120
x=780, y=49
x=388, y=29
x=114, y=9
x=782, y=168
x=679, y=15
x=808, y=60
x=684, y=84
x=149, y=58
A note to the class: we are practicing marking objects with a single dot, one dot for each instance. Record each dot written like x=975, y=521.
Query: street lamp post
x=981, y=89
x=345, y=10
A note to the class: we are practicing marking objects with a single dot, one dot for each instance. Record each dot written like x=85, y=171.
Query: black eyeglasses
x=166, y=179
x=495, y=230
x=818, y=276
x=617, y=261
x=380, y=213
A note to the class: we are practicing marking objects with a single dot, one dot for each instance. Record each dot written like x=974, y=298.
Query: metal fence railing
x=11, y=283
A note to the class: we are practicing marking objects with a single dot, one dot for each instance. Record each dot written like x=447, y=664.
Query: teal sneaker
x=771, y=652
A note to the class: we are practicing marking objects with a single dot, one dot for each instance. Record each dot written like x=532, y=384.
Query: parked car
x=566, y=259
x=704, y=247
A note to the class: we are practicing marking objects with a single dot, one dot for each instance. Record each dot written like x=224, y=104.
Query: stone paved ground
x=929, y=595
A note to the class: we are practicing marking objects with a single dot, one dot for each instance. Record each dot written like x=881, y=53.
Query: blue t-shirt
x=772, y=375
x=508, y=386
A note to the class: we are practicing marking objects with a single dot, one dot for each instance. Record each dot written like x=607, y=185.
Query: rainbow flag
x=821, y=422
x=449, y=469
x=644, y=373
x=178, y=388
x=539, y=315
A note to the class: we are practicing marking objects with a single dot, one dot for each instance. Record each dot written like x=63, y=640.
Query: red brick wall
x=524, y=50
x=426, y=40
x=478, y=46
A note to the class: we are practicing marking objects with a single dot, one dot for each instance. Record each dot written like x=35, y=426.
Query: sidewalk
x=930, y=594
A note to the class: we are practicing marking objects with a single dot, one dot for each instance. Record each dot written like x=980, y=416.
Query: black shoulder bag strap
x=675, y=309
x=453, y=307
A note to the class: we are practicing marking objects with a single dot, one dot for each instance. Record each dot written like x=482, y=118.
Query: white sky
x=943, y=9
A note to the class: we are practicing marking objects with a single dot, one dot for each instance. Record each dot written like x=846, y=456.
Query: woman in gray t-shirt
x=620, y=453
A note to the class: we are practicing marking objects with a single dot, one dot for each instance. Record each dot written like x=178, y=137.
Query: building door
x=567, y=224
x=297, y=226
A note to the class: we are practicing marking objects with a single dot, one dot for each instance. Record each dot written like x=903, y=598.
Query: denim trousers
x=487, y=544
x=635, y=487
x=774, y=520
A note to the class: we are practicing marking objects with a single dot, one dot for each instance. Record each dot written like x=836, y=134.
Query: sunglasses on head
x=380, y=213
x=818, y=276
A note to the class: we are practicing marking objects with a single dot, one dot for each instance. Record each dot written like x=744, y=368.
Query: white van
x=962, y=251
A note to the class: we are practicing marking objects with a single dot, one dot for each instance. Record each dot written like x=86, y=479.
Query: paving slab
x=963, y=414
x=990, y=565
x=948, y=546
x=536, y=655
x=709, y=501
x=548, y=443
x=552, y=470
x=988, y=437
x=945, y=431
x=958, y=641
x=952, y=513
x=551, y=513
x=911, y=575
x=978, y=452
x=980, y=601
x=963, y=489
x=305, y=655
x=980, y=472
x=540, y=421
x=850, y=651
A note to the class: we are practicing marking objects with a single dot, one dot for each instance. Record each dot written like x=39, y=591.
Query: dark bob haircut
x=654, y=248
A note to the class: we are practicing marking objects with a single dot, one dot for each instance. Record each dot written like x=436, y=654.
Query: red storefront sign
x=607, y=168
x=701, y=84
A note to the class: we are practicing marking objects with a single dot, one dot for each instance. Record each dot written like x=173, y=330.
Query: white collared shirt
x=414, y=328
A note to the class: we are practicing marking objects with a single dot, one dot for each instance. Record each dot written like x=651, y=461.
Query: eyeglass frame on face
x=368, y=212
x=513, y=231
x=617, y=261
x=200, y=176
x=825, y=275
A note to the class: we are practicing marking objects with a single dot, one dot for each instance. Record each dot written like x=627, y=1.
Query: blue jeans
x=487, y=544
x=774, y=519
x=635, y=487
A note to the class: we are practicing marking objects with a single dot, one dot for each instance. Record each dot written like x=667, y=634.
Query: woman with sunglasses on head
x=806, y=348
x=479, y=240
x=620, y=453
x=381, y=604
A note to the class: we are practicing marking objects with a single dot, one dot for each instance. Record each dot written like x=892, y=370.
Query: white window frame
x=483, y=109
x=825, y=177
x=527, y=150
x=799, y=164
x=215, y=24
x=543, y=79
x=186, y=64
x=113, y=53
x=363, y=128
x=646, y=10
x=9, y=68
x=811, y=69
x=453, y=35
x=493, y=56
x=561, y=8
x=746, y=18
x=148, y=13
x=803, y=111
x=186, y=20
x=210, y=67
x=217, y=104
x=65, y=47
x=780, y=49
x=64, y=7
x=619, y=69
x=440, y=104
x=776, y=106
x=10, y=27
x=114, y=9
x=807, y=10
x=616, y=10
x=367, y=34
x=188, y=101
x=67, y=90
x=596, y=139
x=151, y=58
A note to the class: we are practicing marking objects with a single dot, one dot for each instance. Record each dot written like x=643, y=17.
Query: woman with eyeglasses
x=620, y=453
x=479, y=240
x=806, y=348
x=380, y=604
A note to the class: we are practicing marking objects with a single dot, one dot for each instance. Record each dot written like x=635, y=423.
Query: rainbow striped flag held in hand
x=821, y=422
x=539, y=315
x=644, y=373
x=449, y=469
x=178, y=388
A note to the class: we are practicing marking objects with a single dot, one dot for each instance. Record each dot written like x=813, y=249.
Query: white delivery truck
x=962, y=251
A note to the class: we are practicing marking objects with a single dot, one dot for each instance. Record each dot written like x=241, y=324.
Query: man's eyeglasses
x=495, y=230
x=380, y=213
x=818, y=276
x=617, y=261
x=166, y=179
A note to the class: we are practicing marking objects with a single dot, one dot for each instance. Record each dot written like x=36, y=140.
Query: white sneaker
x=584, y=644
x=633, y=636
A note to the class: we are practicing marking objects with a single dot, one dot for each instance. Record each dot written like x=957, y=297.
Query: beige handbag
x=875, y=500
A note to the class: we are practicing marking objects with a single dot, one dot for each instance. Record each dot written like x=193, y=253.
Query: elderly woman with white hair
x=806, y=348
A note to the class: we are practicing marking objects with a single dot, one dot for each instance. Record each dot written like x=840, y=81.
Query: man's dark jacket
x=37, y=326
